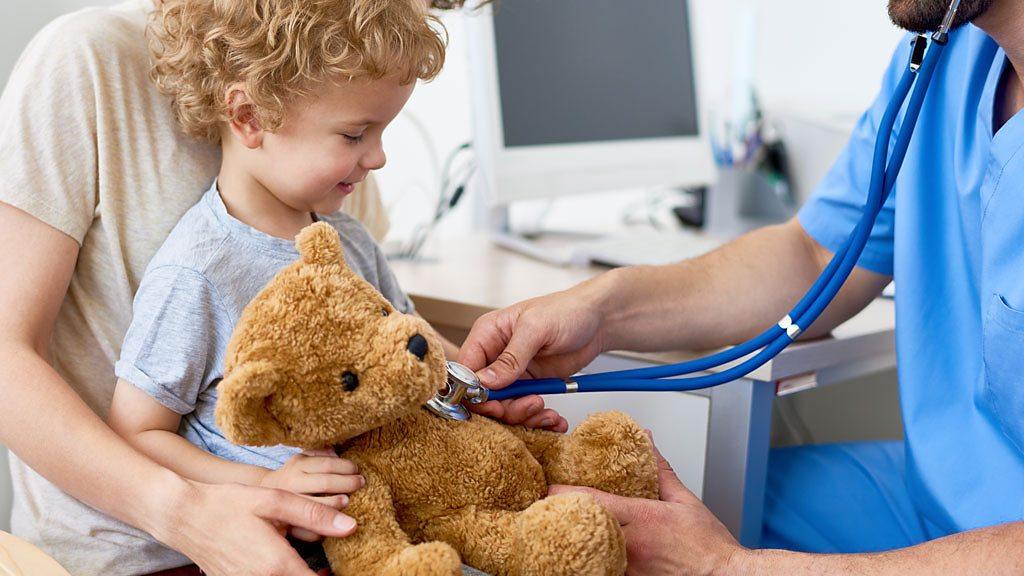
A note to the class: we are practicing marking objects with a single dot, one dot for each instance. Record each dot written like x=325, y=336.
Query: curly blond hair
x=281, y=49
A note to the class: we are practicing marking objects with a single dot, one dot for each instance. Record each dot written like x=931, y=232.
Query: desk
x=461, y=278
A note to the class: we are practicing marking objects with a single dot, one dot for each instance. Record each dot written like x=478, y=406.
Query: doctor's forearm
x=990, y=551
x=725, y=296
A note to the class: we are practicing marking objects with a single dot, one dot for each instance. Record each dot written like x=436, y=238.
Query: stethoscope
x=463, y=385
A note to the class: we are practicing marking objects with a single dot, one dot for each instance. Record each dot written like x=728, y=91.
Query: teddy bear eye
x=384, y=312
x=349, y=381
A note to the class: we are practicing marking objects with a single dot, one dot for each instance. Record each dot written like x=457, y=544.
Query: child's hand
x=315, y=473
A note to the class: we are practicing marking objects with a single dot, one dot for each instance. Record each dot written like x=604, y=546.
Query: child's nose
x=375, y=159
x=418, y=346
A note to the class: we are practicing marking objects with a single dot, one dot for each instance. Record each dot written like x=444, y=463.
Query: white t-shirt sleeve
x=48, y=115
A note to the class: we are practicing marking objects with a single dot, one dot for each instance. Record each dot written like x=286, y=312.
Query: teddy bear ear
x=319, y=243
x=241, y=411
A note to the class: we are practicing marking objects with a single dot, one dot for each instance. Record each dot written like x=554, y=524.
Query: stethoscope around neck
x=463, y=385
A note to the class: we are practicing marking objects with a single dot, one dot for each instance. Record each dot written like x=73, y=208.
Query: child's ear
x=319, y=243
x=242, y=119
x=241, y=411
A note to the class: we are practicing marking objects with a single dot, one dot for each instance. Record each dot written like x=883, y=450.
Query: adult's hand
x=676, y=535
x=550, y=336
x=236, y=530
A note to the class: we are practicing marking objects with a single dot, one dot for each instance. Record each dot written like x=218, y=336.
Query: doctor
x=950, y=498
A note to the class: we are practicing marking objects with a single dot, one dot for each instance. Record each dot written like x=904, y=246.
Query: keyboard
x=645, y=246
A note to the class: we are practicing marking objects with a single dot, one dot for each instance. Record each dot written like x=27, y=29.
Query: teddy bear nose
x=418, y=346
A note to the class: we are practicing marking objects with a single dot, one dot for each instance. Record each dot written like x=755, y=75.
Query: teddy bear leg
x=564, y=535
x=379, y=546
x=483, y=537
x=568, y=534
x=608, y=451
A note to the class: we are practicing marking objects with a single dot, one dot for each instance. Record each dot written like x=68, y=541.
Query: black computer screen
x=594, y=70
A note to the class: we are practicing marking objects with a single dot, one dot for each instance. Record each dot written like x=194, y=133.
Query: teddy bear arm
x=608, y=451
x=379, y=546
x=558, y=455
x=378, y=536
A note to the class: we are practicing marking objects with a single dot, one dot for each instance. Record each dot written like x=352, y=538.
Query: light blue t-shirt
x=953, y=236
x=192, y=295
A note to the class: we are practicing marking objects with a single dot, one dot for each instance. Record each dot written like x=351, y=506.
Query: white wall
x=20, y=19
x=823, y=56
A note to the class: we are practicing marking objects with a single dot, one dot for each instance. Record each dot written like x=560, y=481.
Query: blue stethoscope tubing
x=773, y=340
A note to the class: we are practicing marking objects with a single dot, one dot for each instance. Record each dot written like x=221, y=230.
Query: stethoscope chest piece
x=462, y=385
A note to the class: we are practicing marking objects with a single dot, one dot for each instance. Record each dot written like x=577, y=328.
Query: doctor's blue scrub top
x=952, y=235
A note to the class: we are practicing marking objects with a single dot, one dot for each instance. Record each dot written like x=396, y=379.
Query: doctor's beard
x=927, y=15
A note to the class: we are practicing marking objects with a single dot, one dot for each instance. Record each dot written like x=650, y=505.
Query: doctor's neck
x=1004, y=22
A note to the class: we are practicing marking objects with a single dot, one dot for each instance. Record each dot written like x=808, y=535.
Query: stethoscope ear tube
x=822, y=292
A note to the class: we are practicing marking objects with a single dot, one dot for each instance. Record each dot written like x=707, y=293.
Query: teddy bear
x=320, y=358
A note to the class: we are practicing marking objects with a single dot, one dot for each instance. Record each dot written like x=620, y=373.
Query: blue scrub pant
x=840, y=498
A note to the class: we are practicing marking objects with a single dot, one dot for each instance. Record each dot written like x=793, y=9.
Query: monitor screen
x=574, y=71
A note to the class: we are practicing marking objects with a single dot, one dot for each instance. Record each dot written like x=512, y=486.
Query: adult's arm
x=723, y=297
x=992, y=551
x=39, y=412
x=728, y=295
x=678, y=536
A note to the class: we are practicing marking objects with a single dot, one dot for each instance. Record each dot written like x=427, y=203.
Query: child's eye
x=353, y=139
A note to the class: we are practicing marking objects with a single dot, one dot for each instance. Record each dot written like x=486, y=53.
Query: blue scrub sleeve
x=837, y=203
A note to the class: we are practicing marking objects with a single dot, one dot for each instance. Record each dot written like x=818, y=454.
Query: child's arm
x=152, y=429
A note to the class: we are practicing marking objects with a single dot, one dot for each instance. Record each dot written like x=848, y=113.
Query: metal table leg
x=736, y=464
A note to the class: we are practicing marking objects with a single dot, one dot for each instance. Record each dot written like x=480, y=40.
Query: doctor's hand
x=550, y=336
x=674, y=536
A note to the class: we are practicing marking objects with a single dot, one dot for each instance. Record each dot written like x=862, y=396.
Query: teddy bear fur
x=320, y=358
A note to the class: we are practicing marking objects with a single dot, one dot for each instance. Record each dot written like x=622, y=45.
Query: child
x=298, y=93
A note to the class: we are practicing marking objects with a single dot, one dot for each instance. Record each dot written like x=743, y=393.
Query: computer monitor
x=573, y=96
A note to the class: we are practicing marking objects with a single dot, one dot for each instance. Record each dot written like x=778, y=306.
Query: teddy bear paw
x=611, y=452
x=568, y=534
x=429, y=559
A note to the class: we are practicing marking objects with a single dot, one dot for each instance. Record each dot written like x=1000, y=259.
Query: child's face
x=329, y=141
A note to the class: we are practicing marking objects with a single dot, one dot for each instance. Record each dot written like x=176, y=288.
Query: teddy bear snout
x=418, y=346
